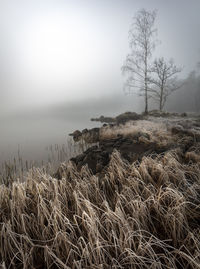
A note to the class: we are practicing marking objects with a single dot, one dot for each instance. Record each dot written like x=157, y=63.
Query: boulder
x=184, y=114
x=76, y=135
x=104, y=119
x=127, y=116
x=97, y=158
x=89, y=136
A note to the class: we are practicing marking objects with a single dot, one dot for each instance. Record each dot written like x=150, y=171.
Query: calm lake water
x=32, y=137
x=32, y=131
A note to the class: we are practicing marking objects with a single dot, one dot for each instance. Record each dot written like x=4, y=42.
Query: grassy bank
x=140, y=215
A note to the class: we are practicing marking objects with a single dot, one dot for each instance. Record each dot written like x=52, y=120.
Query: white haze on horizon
x=55, y=51
x=60, y=64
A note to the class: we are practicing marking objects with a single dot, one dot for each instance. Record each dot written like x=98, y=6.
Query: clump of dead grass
x=132, y=128
x=157, y=132
x=140, y=215
x=143, y=131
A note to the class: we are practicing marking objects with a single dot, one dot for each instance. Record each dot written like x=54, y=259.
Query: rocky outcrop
x=103, y=119
x=128, y=116
x=98, y=157
x=89, y=136
x=136, y=145
x=76, y=135
x=120, y=119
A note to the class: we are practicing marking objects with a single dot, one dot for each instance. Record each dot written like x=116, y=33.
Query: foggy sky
x=72, y=51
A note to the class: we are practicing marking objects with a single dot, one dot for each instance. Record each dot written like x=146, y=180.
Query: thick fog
x=60, y=64
x=187, y=98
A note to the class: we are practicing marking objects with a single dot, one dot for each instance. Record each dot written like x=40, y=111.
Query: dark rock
x=97, y=158
x=91, y=136
x=93, y=148
x=104, y=154
x=127, y=116
x=80, y=158
x=184, y=114
x=84, y=131
x=104, y=119
x=76, y=135
x=91, y=160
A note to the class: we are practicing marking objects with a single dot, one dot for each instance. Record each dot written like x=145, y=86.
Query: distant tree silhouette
x=164, y=81
x=137, y=64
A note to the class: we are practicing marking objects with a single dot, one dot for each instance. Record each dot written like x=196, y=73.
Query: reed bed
x=139, y=215
x=17, y=167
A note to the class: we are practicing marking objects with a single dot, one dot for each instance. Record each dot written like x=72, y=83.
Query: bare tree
x=142, y=43
x=164, y=80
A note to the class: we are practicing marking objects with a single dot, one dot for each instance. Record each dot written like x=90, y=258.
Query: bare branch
x=164, y=79
x=142, y=43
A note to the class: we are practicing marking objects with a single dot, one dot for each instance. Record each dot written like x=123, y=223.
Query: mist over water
x=60, y=65
x=32, y=131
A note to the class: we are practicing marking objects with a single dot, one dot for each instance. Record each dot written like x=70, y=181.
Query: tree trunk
x=145, y=82
x=160, y=105
x=146, y=101
x=161, y=97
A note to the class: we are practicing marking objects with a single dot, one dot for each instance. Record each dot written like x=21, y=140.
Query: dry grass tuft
x=132, y=128
x=140, y=215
